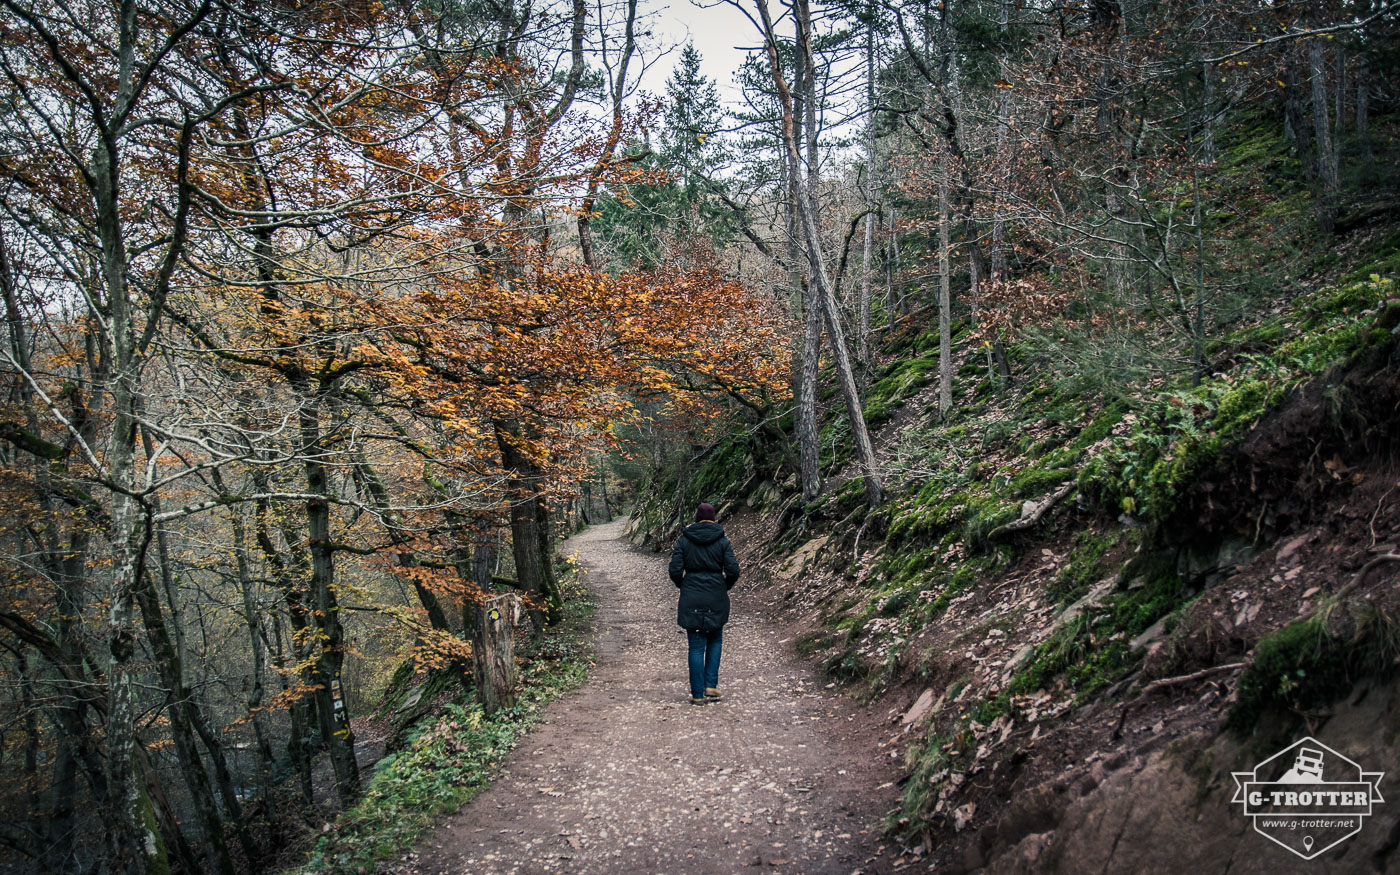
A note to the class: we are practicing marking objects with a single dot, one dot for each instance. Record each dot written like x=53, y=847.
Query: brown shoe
x=699, y=701
x=712, y=693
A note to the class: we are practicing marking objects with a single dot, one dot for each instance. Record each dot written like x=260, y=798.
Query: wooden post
x=493, y=652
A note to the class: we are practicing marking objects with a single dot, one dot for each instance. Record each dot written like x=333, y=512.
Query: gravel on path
x=626, y=775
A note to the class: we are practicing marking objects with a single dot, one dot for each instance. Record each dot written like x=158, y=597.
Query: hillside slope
x=1084, y=611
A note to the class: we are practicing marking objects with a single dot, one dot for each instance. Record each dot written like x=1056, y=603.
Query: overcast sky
x=720, y=32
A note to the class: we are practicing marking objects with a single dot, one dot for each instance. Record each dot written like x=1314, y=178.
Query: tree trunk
x=483, y=558
x=1198, y=316
x=1340, y=91
x=1326, y=198
x=530, y=543
x=171, y=649
x=974, y=273
x=1208, y=113
x=160, y=806
x=493, y=653
x=29, y=723
x=131, y=844
x=177, y=707
x=1363, y=106
x=945, y=331
x=1294, y=125
x=252, y=619
x=998, y=222
x=894, y=301
x=867, y=251
x=285, y=574
x=809, y=218
x=332, y=711
x=808, y=363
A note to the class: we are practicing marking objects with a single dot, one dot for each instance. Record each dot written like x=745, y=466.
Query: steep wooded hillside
x=1086, y=603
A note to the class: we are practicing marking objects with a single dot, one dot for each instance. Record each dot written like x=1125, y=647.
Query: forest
x=326, y=321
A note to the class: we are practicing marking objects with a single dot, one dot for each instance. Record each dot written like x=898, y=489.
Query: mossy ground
x=966, y=478
x=1139, y=454
x=1312, y=663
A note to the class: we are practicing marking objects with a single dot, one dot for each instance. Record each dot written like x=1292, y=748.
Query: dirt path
x=627, y=776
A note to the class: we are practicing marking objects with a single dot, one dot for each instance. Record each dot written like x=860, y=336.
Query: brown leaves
x=1006, y=305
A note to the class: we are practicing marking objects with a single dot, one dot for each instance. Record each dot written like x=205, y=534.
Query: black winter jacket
x=703, y=565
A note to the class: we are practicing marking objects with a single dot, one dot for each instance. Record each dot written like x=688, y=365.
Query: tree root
x=1187, y=678
x=1365, y=569
x=1041, y=509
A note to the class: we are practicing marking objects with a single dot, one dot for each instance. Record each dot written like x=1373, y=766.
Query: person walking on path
x=704, y=567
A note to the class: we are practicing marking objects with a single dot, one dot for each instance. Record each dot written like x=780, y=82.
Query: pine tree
x=691, y=143
x=635, y=221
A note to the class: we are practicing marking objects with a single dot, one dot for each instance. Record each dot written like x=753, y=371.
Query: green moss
x=397, y=688
x=1385, y=263
x=1182, y=432
x=1240, y=407
x=851, y=499
x=810, y=642
x=1156, y=432
x=990, y=709
x=1091, y=651
x=846, y=667
x=987, y=517
x=1037, y=481
x=933, y=763
x=1063, y=410
x=1066, y=647
x=155, y=858
x=1101, y=426
x=1161, y=591
x=926, y=514
x=908, y=343
x=1083, y=567
x=903, y=379
x=835, y=445
x=877, y=413
x=1299, y=666
x=969, y=573
x=723, y=470
x=1254, y=146
x=1306, y=666
x=896, y=603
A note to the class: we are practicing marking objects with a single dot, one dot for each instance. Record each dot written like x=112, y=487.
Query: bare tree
x=808, y=214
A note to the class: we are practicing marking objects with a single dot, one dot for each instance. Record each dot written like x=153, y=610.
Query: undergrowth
x=452, y=756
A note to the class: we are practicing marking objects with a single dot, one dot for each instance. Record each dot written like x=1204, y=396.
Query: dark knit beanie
x=705, y=511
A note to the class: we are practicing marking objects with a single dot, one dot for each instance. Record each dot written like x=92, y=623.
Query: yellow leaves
x=437, y=650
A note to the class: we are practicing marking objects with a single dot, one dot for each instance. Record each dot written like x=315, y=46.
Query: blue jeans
x=704, y=661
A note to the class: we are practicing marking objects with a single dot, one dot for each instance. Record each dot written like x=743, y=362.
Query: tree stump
x=493, y=652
